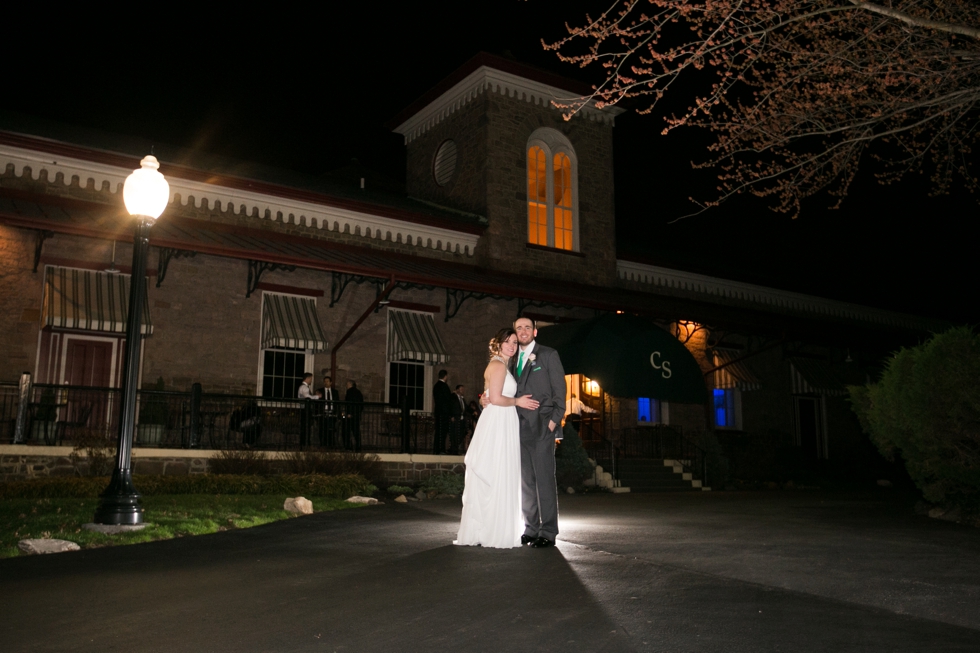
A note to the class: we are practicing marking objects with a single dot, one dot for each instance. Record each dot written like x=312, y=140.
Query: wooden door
x=88, y=363
x=809, y=426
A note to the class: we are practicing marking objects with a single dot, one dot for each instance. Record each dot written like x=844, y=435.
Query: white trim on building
x=490, y=79
x=253, y=205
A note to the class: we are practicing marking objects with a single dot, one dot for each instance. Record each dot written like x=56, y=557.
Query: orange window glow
x=563, y=201
x=537, y=197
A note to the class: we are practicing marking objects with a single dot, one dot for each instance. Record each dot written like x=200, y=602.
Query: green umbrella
x=628, y=357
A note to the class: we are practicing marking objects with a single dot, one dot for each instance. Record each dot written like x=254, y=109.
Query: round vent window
x=445, y=163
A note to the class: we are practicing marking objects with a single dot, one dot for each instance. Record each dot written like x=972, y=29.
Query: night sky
x=311, y=91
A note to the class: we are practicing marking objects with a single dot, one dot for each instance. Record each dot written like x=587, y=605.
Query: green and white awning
x=812, y=376
x=413, y=336
x=734, y=374
x=89, y=300
x=290, y=322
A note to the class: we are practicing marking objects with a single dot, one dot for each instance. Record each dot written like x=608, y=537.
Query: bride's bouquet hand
x=527, y=402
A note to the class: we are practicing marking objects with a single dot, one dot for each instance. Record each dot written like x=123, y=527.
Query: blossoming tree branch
x=798, y=92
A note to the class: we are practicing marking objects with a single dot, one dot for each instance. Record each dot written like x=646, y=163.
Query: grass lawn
x=168, y=516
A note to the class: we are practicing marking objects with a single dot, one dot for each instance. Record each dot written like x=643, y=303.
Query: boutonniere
x=532, y=357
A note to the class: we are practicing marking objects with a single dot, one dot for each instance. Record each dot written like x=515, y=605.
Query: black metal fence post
x=24, y=396
x=195, y=436
x=612, y=456
x=406, y=427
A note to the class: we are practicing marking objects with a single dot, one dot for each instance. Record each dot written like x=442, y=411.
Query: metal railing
x=658, y=442
x=9, y=402
x=71, y=415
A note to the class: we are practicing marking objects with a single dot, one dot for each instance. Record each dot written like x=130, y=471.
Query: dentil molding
x=254, y=205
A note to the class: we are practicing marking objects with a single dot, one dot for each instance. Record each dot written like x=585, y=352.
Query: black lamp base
x=120, y=503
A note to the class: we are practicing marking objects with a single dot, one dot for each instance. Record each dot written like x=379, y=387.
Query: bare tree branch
x=797, y=91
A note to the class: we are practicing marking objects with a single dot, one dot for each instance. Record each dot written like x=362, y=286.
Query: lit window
x=650, y=411
x=551, y=191
x=727, y=408
x=537, y=197
x=563, y=201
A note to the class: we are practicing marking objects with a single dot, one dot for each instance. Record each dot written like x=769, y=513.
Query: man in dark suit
x=442, y=398
x=328, y=420
x=354, y=406
x=457, y=421
x=540, y=374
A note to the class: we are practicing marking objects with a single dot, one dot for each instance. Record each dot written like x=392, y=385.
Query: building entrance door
x=89, y=362
x=809, y=427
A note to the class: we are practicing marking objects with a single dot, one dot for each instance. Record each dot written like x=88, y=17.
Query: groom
x=539, y=373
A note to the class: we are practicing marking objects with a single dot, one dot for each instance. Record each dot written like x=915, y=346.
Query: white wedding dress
x=492, y=496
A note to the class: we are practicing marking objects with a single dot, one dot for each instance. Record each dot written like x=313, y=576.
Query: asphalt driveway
x=780, y=571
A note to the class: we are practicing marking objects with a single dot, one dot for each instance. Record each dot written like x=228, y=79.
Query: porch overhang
x=88, y=300
x=413, y=336
x=290, y=322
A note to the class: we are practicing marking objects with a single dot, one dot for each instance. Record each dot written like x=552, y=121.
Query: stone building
x=256, y=275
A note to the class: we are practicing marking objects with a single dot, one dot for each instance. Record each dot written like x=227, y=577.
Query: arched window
x=552, y=191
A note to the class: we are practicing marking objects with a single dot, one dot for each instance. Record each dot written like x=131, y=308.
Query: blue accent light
x=643, y=410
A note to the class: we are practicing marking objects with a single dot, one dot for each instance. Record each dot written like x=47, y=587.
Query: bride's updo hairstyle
x=499, y=339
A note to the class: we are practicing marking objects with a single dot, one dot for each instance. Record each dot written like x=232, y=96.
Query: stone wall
x=19, y=462
x=491, y=134
x=504, y=247
x=467, y=189
x=20, y=297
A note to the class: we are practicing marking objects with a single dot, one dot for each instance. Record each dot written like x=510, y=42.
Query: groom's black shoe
x=542, y=543
x=527, y=539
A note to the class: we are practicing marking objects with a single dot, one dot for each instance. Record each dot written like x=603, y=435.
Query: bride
x=492, y=495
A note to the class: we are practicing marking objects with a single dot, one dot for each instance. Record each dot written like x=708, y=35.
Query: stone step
x=655, y=475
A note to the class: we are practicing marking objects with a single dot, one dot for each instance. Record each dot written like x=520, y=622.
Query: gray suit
x=543, y=379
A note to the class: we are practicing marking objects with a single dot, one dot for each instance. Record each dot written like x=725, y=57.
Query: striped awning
x=290, y=321
x=89, y=300
x=413, y=336
x=811, y=376
x=733, y=375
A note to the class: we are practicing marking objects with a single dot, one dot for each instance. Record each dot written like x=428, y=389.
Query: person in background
x=457, y=421
x=575, y=410
x=305, y=391
x=353, y=407
x=328, y=420
x=442, y=397
x=472, y=416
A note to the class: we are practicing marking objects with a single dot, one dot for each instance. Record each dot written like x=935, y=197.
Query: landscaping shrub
x=327, y=463
x=240, y=462
x=572, y=464
x=399, y=489
x=340, y=487
x=94, y=453
x=331, y=463
x=448, y=483
x=926, y=408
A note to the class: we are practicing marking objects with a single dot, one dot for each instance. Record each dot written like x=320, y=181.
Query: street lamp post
x=146, y=194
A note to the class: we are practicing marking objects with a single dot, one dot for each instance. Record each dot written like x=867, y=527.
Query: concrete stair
x=656, y=475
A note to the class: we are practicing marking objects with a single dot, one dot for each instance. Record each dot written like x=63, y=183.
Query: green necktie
x=520, y=364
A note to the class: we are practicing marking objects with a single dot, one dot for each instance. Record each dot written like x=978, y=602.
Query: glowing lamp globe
x=146, y=192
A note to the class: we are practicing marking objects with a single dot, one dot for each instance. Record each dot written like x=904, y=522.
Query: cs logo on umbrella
x=664, y=366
